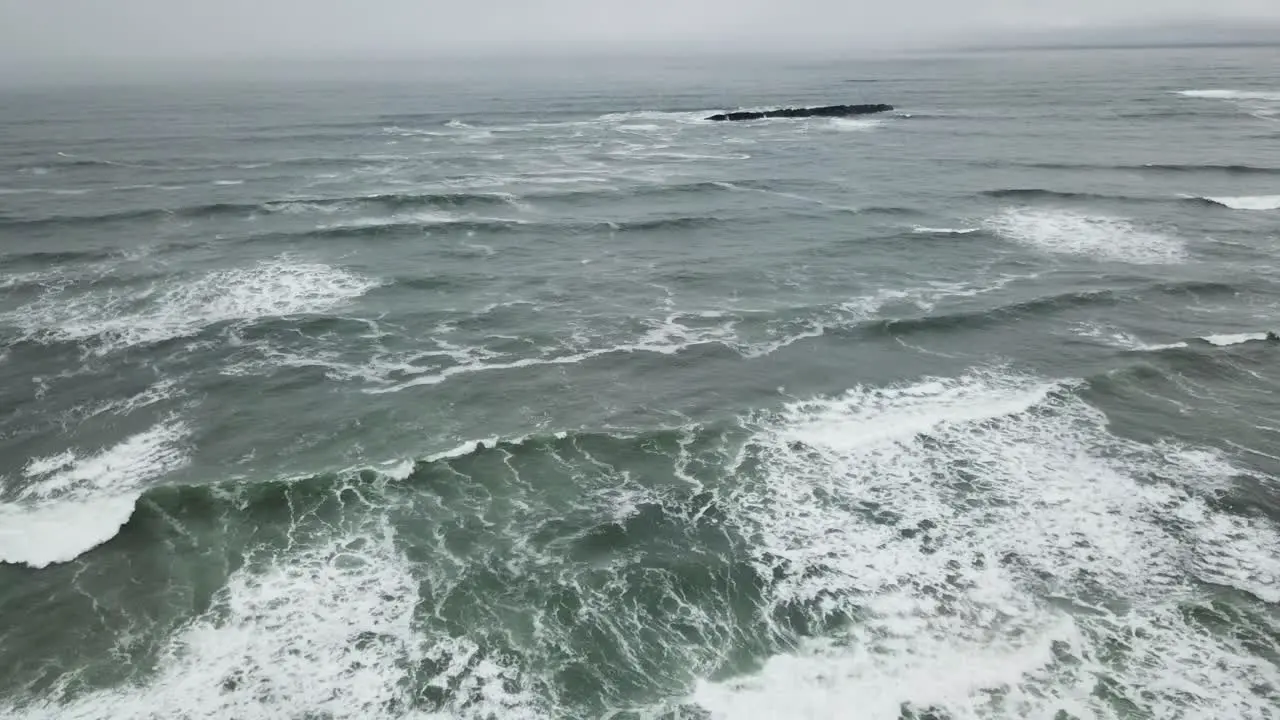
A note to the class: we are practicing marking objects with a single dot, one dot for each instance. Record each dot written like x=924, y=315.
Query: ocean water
x=483, y=391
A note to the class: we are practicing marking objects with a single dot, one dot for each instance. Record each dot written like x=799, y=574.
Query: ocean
x=485, y=390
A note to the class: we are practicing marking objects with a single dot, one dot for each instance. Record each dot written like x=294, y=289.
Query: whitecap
x=1248, y=202
x=273, y=288
x=1122, y=339
x=71, y=503
x=1234, y=338
x=1263, y=95
x=1098, y=236
x=854, y=124
x=943, y=231
x=983, y=547
x=324, y=629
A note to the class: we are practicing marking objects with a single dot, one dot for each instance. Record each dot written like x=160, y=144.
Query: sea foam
x=983, y=547
x=182, y=308
x=70, y=503
x=1097, y=236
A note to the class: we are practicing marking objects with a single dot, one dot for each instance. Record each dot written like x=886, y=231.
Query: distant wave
x=105, y=321
x=1261, y=104
x=1042, y=193
x=673, y=223
x=1102, y=237
x=1263, y=95
x=1240, y=338
x=1226, y=169
x=352, y=203
x=75, y=503
x=943, y=231
x=944, y=322
x=1118, y=338
x=1247, y=202
x=56, y=257
x=372, y=226
x=65, y=527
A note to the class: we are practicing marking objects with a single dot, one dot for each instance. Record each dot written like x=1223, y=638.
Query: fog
x=92, y=31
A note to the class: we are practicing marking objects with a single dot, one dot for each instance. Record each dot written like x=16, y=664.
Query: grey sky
x=87, y=30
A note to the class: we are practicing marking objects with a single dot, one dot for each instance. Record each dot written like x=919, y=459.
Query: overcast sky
x=91, y=30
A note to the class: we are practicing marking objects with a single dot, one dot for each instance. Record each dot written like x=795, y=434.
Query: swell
x=354, y=203
x=1033, y=194
x=1045, y=194
x=315, y=161
x=44, y=258
x=1041, y=307
x=267, y=501
x=1156, y=168
x=967, y=320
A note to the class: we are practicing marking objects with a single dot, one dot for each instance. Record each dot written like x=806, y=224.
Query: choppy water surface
x=462, y=393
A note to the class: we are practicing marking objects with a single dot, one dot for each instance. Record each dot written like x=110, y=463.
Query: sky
x=92, y=31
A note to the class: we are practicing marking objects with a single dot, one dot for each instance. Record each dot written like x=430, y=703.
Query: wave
x=71, y=503
x=1040, y=193
x=1240, y=338
x=931, y=543
x=943, y=231
x=372, y=226
x=1127, y=341
x=109, y=321
x=855, y=124
x=58, y=257
x=336, y=611
x=328, y=587
x=1117, y=338
x=1043, y=306
x=1226, y=169
x=292, y=206
x=1264, y=95
x=1261, y=104
x=943, y=322
x=986, y=536
x=1248, y=202
x=1098, y=236
x=673, y=223
x=1179, y=168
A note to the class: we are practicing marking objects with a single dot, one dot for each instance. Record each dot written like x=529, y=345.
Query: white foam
x=658, y=117
x=1234, y=339
x=301, y=207
x=1122, y=339
x=1248, y=202
x=666, y=335
x=1261, y=104
x=165, y=389
x=324, y=629
x=854, y=124
x=70, y=504
x=275, y=288
x=60, y=531
x=1243, y=553
x=142, y=456
x=998, y=552
x=421, y=217
x=943, y=231
x=1266, y=96
x=228, y=182
x=1097, y=236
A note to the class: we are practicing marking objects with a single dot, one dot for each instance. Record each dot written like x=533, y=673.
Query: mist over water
x=468, y=393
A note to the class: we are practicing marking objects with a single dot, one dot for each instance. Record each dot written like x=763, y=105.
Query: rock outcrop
x=825, y=111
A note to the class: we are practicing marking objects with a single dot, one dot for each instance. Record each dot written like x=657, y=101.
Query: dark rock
x=826, y=111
